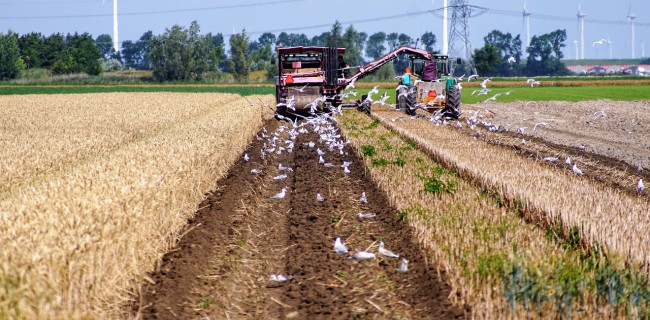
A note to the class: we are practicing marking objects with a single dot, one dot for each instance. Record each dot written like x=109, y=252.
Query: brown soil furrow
x=331, y=286
x=220, y=268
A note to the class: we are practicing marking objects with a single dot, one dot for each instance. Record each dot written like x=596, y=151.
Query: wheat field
x=96, y=187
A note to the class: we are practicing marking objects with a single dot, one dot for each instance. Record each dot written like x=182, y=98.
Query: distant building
x=636, y=70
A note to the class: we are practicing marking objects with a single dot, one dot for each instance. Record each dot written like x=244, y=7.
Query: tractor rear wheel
x=411, y=101
x=452, y=106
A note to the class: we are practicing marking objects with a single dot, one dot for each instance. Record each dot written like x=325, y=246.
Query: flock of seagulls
x=324, y=125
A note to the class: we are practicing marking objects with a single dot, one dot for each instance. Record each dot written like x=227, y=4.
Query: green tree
x=32, y=46
x=105, y=44
x=319, y=40
x=171, y=55
x=352, y=41
x=9, y=56
x=218, y=51
x=53, y=49
x=375, y=46
x=238, y=62
x=392, y=40
x=404, y=40
x=134, y=54
x=487, y=59
x=507, y=45
x=428, y=40
x=80, y=55
x=334, y=38
x=260, y=52
x=544, y=54
x=292, y=39
x=201, y=52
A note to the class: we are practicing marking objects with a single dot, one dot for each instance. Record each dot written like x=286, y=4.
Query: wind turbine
x=609, y=45
x=581, y=22
x=631, y=17
x=445, y=30
x=575, y=46
x=526, y=14
x=116, y=43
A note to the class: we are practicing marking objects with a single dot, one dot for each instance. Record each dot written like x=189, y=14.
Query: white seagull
x=256, y=171
x=550, y=159
x=567, y=161
x=403, y=266
x=363, y=198
x=639, y=186
x=246, y=157
x=279, y=278
x=319, y=198
x=280, y=177
x=576, y=170
x=280, y=195
x=339, y=247
x=362, y=255
x=385, y=252
x=367, y=216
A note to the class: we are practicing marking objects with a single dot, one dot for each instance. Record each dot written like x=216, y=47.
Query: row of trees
x=185, y=54
x=72, y=53
x=501, y=55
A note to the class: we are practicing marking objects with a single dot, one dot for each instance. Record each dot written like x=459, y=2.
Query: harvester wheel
x=452, y=106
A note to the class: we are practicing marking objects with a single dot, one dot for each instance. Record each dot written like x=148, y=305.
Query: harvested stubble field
x=95, y=188
x=599, y=217
x=127, y=205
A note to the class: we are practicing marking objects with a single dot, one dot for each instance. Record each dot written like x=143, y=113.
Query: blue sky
x=604, y=18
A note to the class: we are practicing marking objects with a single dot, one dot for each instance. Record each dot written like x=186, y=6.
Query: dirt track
x=240, y=236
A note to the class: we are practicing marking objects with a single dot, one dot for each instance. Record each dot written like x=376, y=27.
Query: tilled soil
x=610, y=147
x=220, y=268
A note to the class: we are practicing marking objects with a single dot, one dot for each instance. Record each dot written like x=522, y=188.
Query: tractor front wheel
x=452, y=106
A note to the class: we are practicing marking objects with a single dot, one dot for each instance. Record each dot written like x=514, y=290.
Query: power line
x=141, y=13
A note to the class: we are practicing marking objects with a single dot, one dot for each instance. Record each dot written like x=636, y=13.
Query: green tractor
x=435, y=91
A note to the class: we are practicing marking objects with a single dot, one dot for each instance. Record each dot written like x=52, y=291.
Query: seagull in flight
x=512, y=60
x=280, y=195
x=474, y=76
x=350, y=85
x=303, y=88
x=246, y=157
x=600, y=42
x=484, y=83
x=339, y=247
x=539, y=124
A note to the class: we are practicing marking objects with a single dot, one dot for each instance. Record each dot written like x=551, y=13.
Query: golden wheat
x=107, y=194
x=604, y=215
x=470, y=234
